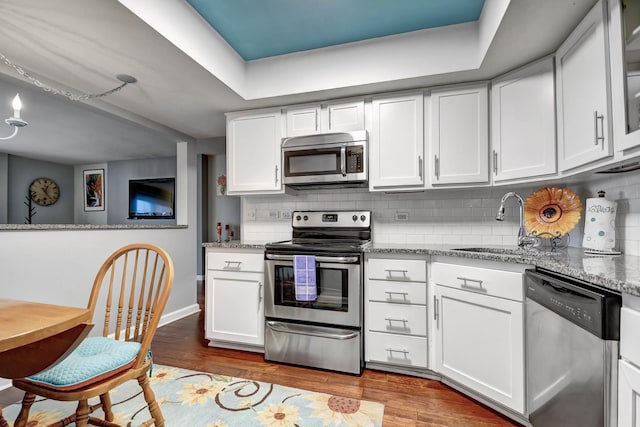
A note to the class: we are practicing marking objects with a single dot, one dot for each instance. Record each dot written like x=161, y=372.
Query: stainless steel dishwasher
x=571, y=340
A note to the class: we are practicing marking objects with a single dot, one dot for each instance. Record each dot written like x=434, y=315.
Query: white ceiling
x=80, y=45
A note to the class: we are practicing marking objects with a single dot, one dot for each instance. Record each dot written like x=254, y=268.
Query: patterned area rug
x=195, y=399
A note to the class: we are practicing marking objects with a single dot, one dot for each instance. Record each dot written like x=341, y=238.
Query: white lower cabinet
x=396, y=312
x=628, y=394
x=479, y=327
x=234, y=309
x=628, y=365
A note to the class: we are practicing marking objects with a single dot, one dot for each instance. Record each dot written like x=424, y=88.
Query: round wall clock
x=44, y=191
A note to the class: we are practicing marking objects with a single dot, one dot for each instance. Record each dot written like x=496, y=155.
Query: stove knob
x=354, y=218
x=305, y=218
x=298, y=217
x=363, y=218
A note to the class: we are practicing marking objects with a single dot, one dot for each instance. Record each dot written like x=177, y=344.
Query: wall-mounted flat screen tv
x=152, y=198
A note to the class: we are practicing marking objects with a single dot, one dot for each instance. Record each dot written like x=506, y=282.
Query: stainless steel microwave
x=325, y=159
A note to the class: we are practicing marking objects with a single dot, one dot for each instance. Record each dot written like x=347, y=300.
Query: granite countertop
x=620, y=273
x=235, y=244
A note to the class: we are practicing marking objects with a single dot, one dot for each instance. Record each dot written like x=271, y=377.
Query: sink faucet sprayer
x=523, y=239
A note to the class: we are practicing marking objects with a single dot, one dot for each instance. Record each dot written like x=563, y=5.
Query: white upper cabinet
x=460, y=135
x=523, y=123
x=253, y=152
x=335, y=116
x=624, y=44
x=303, y=120
x=397, y=142
x=582, y=98
x=343, y=116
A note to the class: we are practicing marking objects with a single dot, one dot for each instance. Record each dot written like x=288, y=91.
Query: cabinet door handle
x=477, y=288
x=276, y=174
x=260, y=294
x=420, y=167
x=316, y=120
x=390, y=274
x=435, y=311
x=495, y=162
x=597, y=137
x=436, y=166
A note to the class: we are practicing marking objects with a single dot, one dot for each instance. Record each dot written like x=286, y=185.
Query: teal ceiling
x=263, y=28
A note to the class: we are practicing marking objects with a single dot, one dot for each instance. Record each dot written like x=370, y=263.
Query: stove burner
x=327, y=232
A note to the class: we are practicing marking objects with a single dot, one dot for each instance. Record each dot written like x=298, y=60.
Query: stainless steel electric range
x=322, y=326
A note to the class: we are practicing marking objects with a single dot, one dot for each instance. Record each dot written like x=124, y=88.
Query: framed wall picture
x=94, y=190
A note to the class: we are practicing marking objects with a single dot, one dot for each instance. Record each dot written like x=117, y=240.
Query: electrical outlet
x=285, y=214
x=402, y=216
x=273, y=214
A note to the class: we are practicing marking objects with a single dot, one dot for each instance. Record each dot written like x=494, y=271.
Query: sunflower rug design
x=201, y=399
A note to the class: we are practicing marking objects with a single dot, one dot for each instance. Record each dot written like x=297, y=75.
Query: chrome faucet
x=523, y=238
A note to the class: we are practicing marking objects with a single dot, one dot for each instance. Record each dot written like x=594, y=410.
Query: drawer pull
x=390, y=295
x=236, y=265
x=390, y=275
x=391, y=320
x=391, y=351
x=467, y=286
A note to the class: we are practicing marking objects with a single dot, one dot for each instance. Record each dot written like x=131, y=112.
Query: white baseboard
x=178, y=314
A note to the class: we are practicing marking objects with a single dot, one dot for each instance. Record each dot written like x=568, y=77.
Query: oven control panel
x=359, y=219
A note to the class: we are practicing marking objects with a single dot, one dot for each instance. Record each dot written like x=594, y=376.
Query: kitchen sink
x=510, y=251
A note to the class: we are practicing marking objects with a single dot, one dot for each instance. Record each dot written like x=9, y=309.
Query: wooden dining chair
x=134, y=284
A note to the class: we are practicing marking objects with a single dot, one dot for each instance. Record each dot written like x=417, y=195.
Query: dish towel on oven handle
x=304, y=275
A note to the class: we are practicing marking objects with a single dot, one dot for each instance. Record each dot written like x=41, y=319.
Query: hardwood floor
x=408, y=401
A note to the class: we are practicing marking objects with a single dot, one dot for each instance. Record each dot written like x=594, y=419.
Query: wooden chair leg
x=150, y=398
x=23, y=416
x=3, y=422
x=82, y=413
x=105, y=399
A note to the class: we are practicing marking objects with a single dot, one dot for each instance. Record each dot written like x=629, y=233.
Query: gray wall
x=4, y=186
x=224, y=209
x=118, y=186
x=21, y=172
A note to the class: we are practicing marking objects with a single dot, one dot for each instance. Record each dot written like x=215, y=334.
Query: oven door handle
x=338, y=259
x=308, y=330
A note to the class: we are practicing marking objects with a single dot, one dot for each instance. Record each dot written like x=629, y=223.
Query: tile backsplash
x=443, y=216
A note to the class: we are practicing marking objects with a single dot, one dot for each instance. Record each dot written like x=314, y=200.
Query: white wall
x=465, y=217
x=58, y=267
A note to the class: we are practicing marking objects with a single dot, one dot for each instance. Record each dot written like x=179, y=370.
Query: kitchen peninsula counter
x=53, y=227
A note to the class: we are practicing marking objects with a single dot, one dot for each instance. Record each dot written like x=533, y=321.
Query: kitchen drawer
x=396, y=349
x=235, y=261
x=498, y=283
x=396, y=292
x=399, y=270
x=397, y=318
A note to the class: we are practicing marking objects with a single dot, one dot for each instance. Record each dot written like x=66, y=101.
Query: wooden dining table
x=34, y=336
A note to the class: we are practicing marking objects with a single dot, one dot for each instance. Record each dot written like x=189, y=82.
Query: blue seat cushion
x=94, y=359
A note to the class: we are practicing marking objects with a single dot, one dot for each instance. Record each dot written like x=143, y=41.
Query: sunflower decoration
x=551, y=212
